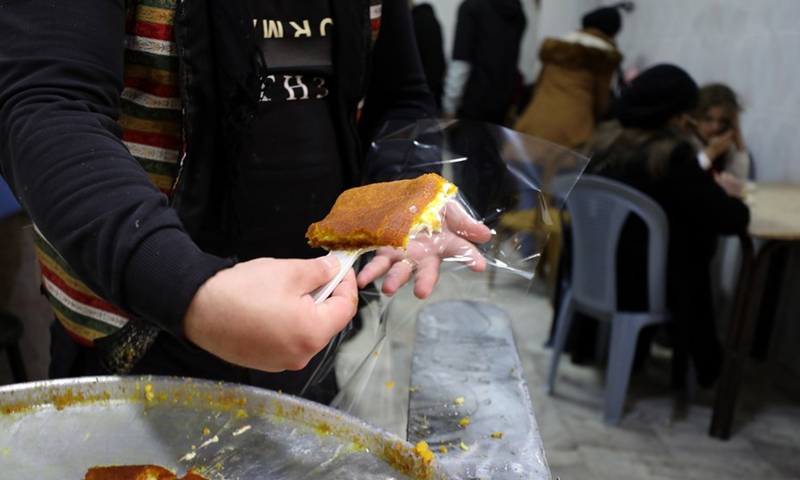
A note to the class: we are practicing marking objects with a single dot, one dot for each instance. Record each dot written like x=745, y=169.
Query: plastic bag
x=503, y=179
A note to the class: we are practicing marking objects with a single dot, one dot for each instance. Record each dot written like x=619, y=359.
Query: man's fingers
x=423, y=257
x=376, y=268
x=397, y=276
x=314, y=273
x=427, y=277
x=340, y=307
x=475, y=260
x=461, y=222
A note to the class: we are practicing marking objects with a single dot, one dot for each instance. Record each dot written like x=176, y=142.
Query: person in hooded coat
x=574, y=86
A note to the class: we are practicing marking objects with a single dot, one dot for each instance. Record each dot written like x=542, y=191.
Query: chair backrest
x=598, y=208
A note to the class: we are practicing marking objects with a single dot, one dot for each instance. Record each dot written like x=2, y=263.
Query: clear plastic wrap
x=503, y=179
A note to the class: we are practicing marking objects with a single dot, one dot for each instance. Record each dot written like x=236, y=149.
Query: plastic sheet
x=503, y=179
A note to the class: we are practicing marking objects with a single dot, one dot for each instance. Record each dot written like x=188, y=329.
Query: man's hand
x=260, y=314
x=425, y=253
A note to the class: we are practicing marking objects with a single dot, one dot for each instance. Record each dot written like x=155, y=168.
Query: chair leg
x=691, y=381
x=624, y=335
x=563, y=322
x=495, y=251
x=552, y=256
x=620, y=362
x=680, y=365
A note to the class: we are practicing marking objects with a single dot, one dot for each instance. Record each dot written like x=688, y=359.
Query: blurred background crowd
x=555, y=69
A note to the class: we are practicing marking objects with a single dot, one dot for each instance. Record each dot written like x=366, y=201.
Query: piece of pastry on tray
x=130, y=472
x=383, y=214
x=137, y=472
x=192, y=475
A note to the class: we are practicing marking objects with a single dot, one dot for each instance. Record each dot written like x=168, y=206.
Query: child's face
x=717, y=120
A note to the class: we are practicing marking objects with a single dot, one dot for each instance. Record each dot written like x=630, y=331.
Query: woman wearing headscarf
x=651, y=150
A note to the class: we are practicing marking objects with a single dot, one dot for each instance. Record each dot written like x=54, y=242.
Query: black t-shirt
x=290, y=170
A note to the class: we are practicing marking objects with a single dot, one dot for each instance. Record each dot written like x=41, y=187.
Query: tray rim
x=22, y=399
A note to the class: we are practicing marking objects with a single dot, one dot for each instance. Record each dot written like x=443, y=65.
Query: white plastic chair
x=598, y=208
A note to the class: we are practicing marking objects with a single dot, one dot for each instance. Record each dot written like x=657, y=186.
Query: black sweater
x=698, y=211
x=60, y=149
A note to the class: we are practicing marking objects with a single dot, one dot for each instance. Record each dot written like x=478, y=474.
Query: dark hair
x=656, y=95
x=714, y=94
x=606, y=19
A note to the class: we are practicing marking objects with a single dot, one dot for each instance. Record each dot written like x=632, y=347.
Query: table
x=775, y=220
x=469, y=396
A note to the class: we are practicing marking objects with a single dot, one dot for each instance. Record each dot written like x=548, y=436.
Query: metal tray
x=58, y=429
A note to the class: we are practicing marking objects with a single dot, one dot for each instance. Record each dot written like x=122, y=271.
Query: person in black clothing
x=428, y=33
x=171, y=156
x=651, y=150
x=479, y=88
x=483, y=75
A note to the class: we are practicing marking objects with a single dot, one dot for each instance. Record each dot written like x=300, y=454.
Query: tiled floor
x=661, y=437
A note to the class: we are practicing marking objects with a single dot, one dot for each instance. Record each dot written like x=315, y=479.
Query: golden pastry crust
x=191, y=475
x=130, y=472
x=380, y=214
x=137, y=472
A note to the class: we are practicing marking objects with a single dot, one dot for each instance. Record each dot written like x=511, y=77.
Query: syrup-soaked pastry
x=130, y=472
x=137, y=472
x=191, y=475
x=383, y=214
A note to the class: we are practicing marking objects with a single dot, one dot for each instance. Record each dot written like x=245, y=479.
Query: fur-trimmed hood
x=588, y=49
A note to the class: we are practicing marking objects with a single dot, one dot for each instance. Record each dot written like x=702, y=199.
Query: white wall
x=750, y=44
